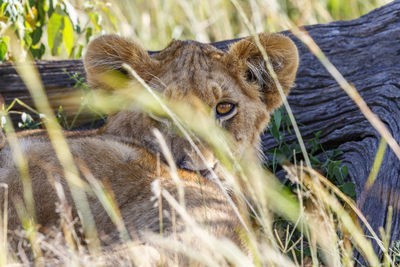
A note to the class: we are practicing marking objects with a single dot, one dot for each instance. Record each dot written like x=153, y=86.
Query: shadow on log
x=366, y=51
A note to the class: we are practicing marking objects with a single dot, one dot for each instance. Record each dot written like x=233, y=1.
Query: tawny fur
x=185, y=71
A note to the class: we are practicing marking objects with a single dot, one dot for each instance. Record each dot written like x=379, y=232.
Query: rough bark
x=365, y=50
x=57, y=80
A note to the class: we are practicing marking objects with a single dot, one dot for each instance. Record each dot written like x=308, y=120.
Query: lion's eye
x=225, y=108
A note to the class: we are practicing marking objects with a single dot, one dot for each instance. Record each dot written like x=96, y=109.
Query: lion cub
x=234, y=84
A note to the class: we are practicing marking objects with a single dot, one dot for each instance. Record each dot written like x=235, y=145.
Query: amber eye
x=225, y=108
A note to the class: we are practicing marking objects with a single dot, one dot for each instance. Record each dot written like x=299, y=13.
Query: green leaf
x=275, y=133
x=338, y=174
x=314, y=160
x=37, y=53
x=277, y=118
x=79, y=53
x=54, y=28
x=349, y=189
x=68, y=35
x=2, y=8
x=3, y=50
x=331, y=166
x=345, y=171
x=36, y=35
x=89, y=33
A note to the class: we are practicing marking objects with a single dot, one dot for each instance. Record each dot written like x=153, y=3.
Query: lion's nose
x=196, y=163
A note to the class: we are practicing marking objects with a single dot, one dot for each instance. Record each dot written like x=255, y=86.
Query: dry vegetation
x=314, y=225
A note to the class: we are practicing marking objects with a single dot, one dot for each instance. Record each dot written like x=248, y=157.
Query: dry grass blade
x=337, y=207
x=276, y=81
x=107, y=199
x=3, y=227
x=235, y=255
x=31, y=78
x=374, y=172
x=171, y=163
x=27, y=210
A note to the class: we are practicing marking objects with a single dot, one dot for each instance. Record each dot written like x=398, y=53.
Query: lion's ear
x=105, y=56
x=283, y=55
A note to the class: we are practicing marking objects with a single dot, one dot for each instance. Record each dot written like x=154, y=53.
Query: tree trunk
x=365, y=50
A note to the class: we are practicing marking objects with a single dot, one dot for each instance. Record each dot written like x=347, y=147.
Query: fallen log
x=365, y=50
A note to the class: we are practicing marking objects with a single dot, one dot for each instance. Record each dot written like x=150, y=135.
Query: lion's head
x=234, y=84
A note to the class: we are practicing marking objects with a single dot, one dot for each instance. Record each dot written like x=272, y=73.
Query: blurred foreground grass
x=311, y=225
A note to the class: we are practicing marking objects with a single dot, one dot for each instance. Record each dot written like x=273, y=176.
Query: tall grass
x=62, y=28
x=155, y=22
x=306, y=228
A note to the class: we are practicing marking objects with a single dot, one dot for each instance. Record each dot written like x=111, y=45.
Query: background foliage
x=62, y=28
